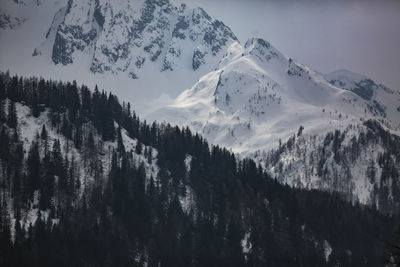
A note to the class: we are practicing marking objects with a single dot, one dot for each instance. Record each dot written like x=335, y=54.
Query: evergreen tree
x=57, y=159
x=12, y=119
x=5, y=235
x=35, y=104
x=3, y=114
x=78, y=137
x=120, y=142
x=44, y=136
x=34, y=170
x=138, y=148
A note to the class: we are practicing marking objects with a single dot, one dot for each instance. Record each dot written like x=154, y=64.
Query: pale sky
x=359, y=35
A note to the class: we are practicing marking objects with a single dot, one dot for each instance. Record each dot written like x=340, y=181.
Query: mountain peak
x=262, y=49
x=200, y=12
x=257, y=41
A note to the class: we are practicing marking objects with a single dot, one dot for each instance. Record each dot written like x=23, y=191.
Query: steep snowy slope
x=258, y=96
x=146, y=49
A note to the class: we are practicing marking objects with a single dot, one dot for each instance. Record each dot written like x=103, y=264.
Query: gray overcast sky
x=360, y=35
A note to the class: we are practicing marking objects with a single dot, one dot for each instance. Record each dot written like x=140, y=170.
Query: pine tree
x=120, y=142
x=2, y=111
x=5, y=235
x=46, y=183
x=138, y=148
x=78, y=137
x=35, y=103
x=12, y=119
x=2, y=89
x=72, y=176
x=34, y=170
x=57, y=159
x=5, y=143
x=44, y=136
x=13, y=92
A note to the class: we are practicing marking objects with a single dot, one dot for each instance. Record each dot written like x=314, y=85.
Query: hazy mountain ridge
x=385, y=100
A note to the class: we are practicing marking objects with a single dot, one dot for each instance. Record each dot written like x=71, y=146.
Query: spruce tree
x=120, y=142
x=12, y=119
x=35, y=104
x=34, y=170
x=2, y=111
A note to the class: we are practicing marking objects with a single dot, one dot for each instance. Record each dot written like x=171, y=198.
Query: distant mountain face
x=385, y=100
x=126, y=36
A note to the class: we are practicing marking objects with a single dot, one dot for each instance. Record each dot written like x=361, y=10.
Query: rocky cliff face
x=129, y=36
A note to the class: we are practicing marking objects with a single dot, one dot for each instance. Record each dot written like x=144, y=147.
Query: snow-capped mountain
x=75, y=163
x=250, y=98
x=258, y=96
x=148, y=50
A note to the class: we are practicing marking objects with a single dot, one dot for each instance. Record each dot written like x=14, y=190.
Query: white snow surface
x=327, y=250
x=246, y=245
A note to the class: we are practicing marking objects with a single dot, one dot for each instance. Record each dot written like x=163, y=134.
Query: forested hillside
x=84, y=182
x=361, y=162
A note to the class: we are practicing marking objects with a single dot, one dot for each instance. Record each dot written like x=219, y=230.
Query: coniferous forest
x=85, y=182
